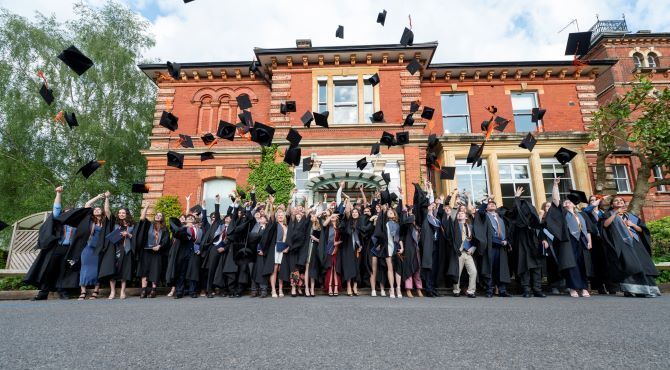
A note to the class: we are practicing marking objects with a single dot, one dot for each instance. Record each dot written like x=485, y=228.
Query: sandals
x=585, y=293
x=82, y=296
x=574, y=294
x=336, y=293
x=94, y=294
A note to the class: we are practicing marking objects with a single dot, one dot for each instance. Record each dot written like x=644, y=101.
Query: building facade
x=334, y=79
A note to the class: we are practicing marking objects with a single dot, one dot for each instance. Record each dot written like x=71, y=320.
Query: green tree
x=169, y=206
x=640, y=118
x=268, y=172
x=113, y=103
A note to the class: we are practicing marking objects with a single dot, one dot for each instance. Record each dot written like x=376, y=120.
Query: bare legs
x=373, y=278
x=273, y=282
x=112, y=288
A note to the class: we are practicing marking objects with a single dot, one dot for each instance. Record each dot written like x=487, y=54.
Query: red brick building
x=335, y=79
x=641, y=52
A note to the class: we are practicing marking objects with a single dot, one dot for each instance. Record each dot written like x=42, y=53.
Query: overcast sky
x=467, y=31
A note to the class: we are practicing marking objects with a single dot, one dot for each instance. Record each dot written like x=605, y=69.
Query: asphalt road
x=339, y=332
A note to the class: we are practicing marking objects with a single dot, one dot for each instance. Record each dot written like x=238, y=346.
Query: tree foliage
x=169, y=206
x=640, y=118
x=268, y=172
x=113, y=102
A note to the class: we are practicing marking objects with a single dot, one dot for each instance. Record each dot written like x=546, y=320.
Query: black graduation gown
x=527, y=243
x=410, y=263
x=316, y=270
x=49, y=235
x=451, y=248
x=268, y=242
x=150, y=263
x=598, y=254
x=322, y=249
x=365, y=260
x=562, y=247
x=107, y=264
x=298, y=239
x=483, y=240
x=347, y=262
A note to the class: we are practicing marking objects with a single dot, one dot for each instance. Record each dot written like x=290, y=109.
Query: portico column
x=494, y=175
x=536, y=179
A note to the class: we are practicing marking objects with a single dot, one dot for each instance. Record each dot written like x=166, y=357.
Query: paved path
x=342, y=332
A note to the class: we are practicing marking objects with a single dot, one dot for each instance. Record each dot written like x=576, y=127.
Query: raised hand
x=557, y=181
x=59, y=189
x=519, y=191
x=107, y=194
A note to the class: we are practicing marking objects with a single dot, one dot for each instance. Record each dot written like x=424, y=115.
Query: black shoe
x=472, y=295
x=40, y=297
x=457, y=295
x=264, y=294
x=237, y=295
x=194, y=295
x=210, y=295
x=539, y=295
x=253, y=294
x=527, y=295
x=504, y=294
x=436, y=294
x=144, y=293
x=178, y=296
x=63, y=295
x=427, y=293
x=602, y=291
x=489, y=295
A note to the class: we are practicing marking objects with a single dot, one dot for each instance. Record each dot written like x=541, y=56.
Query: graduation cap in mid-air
x=340, y=32
x=76, y=60
x=564, y=156
x=169, y=121
x=208, y=139
x=402, y=138
x=3, y=225
x=246, y=118
x=292, y=155
x=409, y=120
x=288, y=106
x=407, y=37
x=90, y=167
x=577, y=197
x=501, y=123
x=381, y=17
x=447, y=173
x=432, y=141
x=414, y=106
x=361, y=163
x=269, y=190
x=492, y=109
x=140, y=188
x=528, y=142
x=413, y=66
x=47, y=94
x=185, y=141
x=427, y=113
x=262, y=134
x=579, y=43
x=475, y=154
x=386, y=177
x=387, y=139
x=307, y=119
x=378, y=116
x=174, y=69
x=537, y=114
x=321, y=119
x=70, y=119
x=293, y=137
x=243, y=101
x=375, y=149
x=307, y=164
x=175, y=159
x=374, y=79
x=226, y=130
x=206, y=156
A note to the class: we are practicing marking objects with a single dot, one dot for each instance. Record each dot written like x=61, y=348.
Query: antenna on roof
x=568, y=25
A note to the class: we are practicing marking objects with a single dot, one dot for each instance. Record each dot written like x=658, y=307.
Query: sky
x=467, y=31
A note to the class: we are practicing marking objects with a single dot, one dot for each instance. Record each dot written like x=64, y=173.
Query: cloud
x=472, y=31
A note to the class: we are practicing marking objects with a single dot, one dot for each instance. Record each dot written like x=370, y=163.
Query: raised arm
x=365, y=201
x=143, y=216
x=188, y=204
x=252, y=194
x=57, y=208
x=555, y=195
x=92, y=201
x=108, y=211
x=217, y=205
x=429, y=191
x=338, y=196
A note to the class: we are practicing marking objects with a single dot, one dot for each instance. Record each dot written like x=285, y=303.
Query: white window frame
x=513, y=181
x=638, y=60
x=466, y=115
x=348, y=80
x=553, y=161
x=226, y=185
x=627, y=178
x=539, y=123
x=651, y=60
x=319, y=103
x=658, y=175
x=463, y=163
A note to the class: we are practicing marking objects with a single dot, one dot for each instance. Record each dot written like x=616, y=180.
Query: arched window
x=652, y=60
x=223, y=187
x=637, y=59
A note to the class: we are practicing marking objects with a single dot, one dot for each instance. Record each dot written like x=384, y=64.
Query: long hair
x=159, y=225
x=129, y=218
x=99, y=219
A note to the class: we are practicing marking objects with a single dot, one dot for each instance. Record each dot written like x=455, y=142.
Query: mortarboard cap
x=577, y=197
x=407, y=37
x=307, y=119
x=282, y=108
x=414, y=106
x=378, y=116
x=293, y=137
x=269, y=189
x=385, y=197
x=321, y=119
x=243, y=101
x=402, y=138
x=307, y=164
x=140, y=188
x=47, y=94
x=409, y=120
x=485, y=125
x=386, y=177
x=537, y=114
x=413, y=66
x=374, y=79
x=492, y=109
x=475, y=153
x=528, y=142
x=501, y=123
x=564, y=156
x=71, y=119
x=432, y=141
x=175, y=225
x=381, y=17
x=292, y=155
x=206, y=156
x=361, y=163
x=3, y=225
x=288, y=106
x=242, y=194
x=431, y=159
x=579, y=43
x=90, y=167
x=115, y=236
x=174, y=69
x=196, y=209
x=245, y=117
x=340, y=32
x=394, y=197
x=375, y=149
x=226, y=130
x=447, y=173
x=427, y=113
x=387, y=139
x=175, y=159
x=185, y=141
x=169, y=121
x=262, y=134
x=208, y=139
x=76, y=60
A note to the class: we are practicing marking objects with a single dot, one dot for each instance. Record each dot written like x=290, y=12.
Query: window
x=652, y=60
x=658, y=175
x=223, y=187
x=455, y=114
x=512, y=175
x=552, y=169
x=522, y=105
x=345, y=102
x=474, y=180
x=350, y=99
x=368, y=100
x=323, y=96
x=621, y=178
x=637, y=59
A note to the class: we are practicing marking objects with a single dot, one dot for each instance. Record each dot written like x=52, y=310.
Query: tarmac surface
x=337, y=332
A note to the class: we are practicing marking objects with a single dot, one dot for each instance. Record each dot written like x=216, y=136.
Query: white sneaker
x=383, y=293
x=373, y=294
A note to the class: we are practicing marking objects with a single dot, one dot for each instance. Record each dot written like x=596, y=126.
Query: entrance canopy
x=330, y=182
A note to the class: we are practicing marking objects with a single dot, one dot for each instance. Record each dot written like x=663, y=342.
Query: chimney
x=644, y=31
x=303, y=43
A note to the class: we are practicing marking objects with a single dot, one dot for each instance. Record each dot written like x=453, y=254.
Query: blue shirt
x=498, y=226
x=68, y=231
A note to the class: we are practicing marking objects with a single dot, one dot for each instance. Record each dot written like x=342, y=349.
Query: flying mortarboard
x=576, y=197
x=140, y=188
x=47, y=94
x=579, y=43
x=431, y=159
x=414, y=106
x=413, y=66
x=90, y=167
x=307, y=119
x=537, y=114
x=528, y=142
x=492, y=109
x=378, y=116
x=385, y=197
x=381, y=17
x=269, y=190
x=475, y=153
x=447, y=173
x=243, y=101
x=402, y=138
x=208, y=139
x=409, y=120
x=407, y=37
x=246, y=118
x=387, y=139
x=361, y=163
x=169, y=121
x=432, y=141
x=174, y=69
x=206, y=156
x=374, y=79
x=76, y=60
x=262, y=134
x=226, y=130
x=307, y=164
x=386, y=177
x=501, y=123
x=292, y=155
x=564, y=156
x=288, y=106
x=375, y=149
x=321, y=119
x=71, y=119
x=340, y=32
x=175, y=159
x=427, y=113
x=293, y=137
x=115, y=236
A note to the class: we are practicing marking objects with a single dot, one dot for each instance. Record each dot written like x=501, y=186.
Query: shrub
x=14, y=283
x=660, y=237
x=268, y=172
x=169, y=206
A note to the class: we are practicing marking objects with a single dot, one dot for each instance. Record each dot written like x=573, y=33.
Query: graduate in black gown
x=185, y=248
x=313, y=270
x=274, y=246
x=119, y=255
x=594, y=214
x=298, y=240
x=153, y=240
x=214, y=249
x=433, y=240
x=351, y=233
x=257, y=237
x=629, y=251
x=493, y=240
x=411, y=261
x=244, y=251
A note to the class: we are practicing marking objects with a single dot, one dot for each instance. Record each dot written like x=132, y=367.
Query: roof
x=230, y=67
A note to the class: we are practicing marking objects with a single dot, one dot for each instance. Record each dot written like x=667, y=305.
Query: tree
x=113, y=103
x=641, y=118
x=268, y=172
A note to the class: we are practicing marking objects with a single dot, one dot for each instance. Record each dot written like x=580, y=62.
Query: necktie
x=497, y=224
